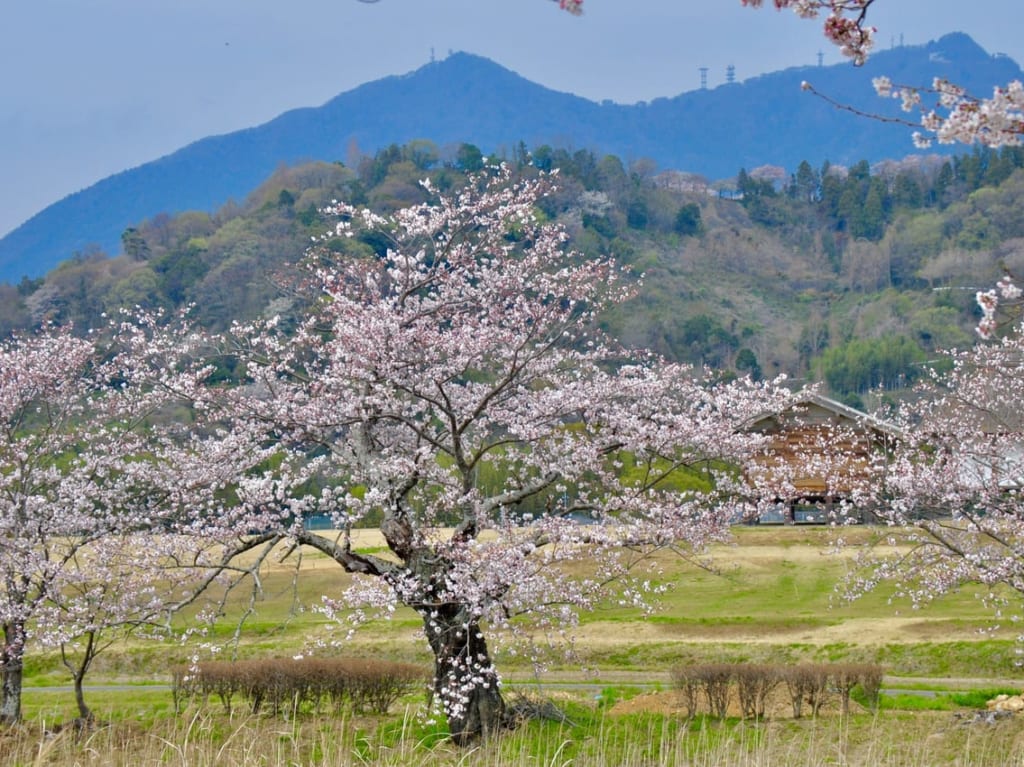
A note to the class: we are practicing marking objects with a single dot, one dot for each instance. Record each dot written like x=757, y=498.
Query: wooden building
x=819, y=451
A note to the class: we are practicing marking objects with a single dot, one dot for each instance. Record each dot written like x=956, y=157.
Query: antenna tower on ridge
x=703, y=78
x=730, y=74
x=821, y=59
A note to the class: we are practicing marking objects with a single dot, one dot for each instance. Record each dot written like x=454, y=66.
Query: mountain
x=467, y=98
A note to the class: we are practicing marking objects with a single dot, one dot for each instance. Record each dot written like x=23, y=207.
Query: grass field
x=774, y=599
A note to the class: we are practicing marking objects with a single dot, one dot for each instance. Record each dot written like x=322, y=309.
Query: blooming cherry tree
x=114, y=588
x=953, y=487
x=67, y=481
x=456, y=393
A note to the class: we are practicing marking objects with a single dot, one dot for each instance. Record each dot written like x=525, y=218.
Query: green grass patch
x=913, y=702
x=142, y=705
x=978, y=698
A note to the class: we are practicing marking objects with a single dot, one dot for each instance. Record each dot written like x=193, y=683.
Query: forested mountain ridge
x=765, y=120
x=851, y=275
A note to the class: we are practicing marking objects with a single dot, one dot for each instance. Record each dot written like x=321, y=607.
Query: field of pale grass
x=773, y=599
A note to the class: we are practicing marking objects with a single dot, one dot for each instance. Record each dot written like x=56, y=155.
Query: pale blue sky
x=91, y=87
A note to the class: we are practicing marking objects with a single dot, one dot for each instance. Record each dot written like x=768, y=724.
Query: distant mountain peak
x=958, y=45
x=465, y=97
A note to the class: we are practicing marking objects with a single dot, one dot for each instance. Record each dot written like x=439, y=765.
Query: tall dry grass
x=209, y=738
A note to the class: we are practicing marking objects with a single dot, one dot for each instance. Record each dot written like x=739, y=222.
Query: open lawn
x=772, y=599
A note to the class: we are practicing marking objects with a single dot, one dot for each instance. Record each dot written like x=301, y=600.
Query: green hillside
x=854, y=276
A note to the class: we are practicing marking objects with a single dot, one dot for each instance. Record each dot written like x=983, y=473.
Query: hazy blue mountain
x=466, y=98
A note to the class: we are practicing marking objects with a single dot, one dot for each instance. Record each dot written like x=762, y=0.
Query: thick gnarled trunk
x=11, y=666
x=10, y=699
x=465, y=681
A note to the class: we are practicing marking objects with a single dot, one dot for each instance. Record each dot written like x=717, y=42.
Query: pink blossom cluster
x=575, y=7
x=959, y=117
x=1005, y=293
x=845, y=25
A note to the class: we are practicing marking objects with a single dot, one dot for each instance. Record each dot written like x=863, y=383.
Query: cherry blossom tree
x=953, y=485
x=67, y=480
x=952, y=489
x=117, y=587
x=456, y=393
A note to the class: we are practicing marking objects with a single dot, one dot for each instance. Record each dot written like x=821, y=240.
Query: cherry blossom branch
x=845, y=26
x=957, y=117
x=806, y=86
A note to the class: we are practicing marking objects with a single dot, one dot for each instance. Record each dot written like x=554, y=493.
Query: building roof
x=809, y=400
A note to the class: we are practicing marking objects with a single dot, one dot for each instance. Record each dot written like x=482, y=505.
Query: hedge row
x=372, y=685
x=714, y=684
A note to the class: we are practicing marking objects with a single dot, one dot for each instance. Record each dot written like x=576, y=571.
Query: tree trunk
x=84, y=713
x=465, y=681
x=11, y=665
x=10, y=701
x=79, y=671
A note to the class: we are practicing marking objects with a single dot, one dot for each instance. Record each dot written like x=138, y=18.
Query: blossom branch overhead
x=959, y=117
x=956, y=116
x=845, y=25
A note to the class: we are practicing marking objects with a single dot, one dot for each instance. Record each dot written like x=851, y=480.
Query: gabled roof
x=807, y=399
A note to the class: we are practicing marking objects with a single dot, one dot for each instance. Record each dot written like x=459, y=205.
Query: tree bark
x=79, y=671
x=84, y=712
x=11, y=666
x=465, y=680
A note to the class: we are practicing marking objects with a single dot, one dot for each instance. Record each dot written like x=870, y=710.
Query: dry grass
x=203, y=738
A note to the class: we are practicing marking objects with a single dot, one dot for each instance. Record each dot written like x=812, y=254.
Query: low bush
x=686, y=679
x=810, y=684
x=803, y=682
x=362, y=685
x=869, y=683
x=715, y=680
x=755, y=682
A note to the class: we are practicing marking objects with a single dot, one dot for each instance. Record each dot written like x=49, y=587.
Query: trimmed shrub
x=686, y=679
x=870, y=679
x=715, y=680
x=754, y=683
x=288, y=684
x=808, y=684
